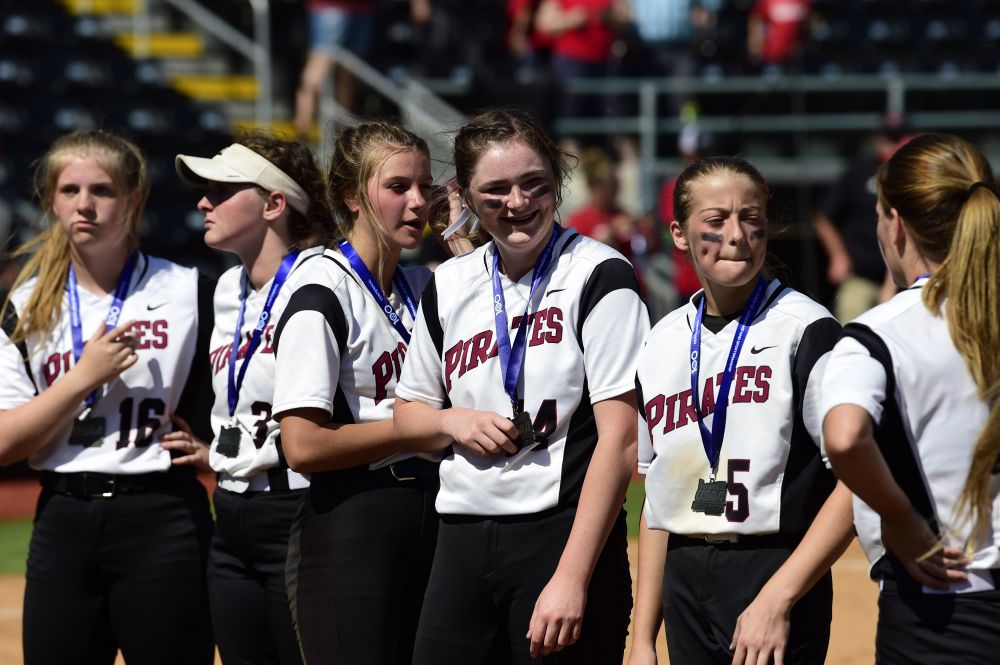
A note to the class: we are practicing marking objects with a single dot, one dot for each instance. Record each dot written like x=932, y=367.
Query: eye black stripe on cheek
x=711, y=237
x=541, y=190
x=758, y=234
x=495, y=204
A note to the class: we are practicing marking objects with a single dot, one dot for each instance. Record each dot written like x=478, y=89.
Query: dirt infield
x=852, y=642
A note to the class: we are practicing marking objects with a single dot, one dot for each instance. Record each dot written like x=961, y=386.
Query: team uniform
x=506, y=520
x=257, y=496
x=927, y=416
x=770, y=465
x=118, y=549
x=361, y=545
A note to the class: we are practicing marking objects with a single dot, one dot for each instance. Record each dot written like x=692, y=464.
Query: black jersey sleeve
x=429, y=308
x=10, y=321
x=316, y=298
x=609, y=276
x=817, y=339
x=195, y=405
x=807, y=481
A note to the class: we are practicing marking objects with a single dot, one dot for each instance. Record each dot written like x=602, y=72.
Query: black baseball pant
x=246, y=577
x=125, y=572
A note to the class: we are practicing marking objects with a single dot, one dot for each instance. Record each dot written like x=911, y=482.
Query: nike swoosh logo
x=152, y=307
x=763, y=348
x=554, y=291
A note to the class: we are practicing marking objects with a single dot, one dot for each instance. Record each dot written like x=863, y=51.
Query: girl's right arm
x=27, y=428
x=649, y=595
x=482, y=432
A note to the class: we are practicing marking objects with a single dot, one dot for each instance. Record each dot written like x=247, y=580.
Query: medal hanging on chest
x=511, y=354
x=229, y=440
x=525, y=431
x=228, y=443
x=710, y=497
x=87, y=431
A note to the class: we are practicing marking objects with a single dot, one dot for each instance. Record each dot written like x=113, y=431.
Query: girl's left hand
x=762, y=631
x=558, y=616
x=194, y=450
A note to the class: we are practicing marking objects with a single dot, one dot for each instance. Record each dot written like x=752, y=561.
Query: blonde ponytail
x=943, y=188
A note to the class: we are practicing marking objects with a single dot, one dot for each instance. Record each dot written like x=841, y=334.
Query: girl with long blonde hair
x=102, y=351
x=912, y=423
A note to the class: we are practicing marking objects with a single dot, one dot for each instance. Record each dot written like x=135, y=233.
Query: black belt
x=93, y=485
x=411, y=469
x=737, y=541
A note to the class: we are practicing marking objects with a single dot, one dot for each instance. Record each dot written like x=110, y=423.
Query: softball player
x=733, y=471
x=118, y=549
x=912, y=424
x=361, y=545
x=522, y=368
x=264, y=203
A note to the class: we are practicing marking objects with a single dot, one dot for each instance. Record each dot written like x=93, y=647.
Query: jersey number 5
x=737, y=508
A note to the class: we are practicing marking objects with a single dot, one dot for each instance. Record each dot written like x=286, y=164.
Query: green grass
x=14, y=535
x=633, y=506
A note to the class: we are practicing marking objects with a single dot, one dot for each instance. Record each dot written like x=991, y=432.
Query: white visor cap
x=238, y=163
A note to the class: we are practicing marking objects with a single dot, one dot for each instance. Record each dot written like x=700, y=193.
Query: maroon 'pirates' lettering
x=664, y=408
x=388, y=366
x=544, y=327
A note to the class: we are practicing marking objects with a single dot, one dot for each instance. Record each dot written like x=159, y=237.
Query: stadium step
x=186, y=45
x=215, y=87
x=80, y=7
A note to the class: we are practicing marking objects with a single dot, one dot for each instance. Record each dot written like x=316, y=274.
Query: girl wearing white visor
x=263, y=202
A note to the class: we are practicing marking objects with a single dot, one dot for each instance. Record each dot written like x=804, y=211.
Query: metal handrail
x=421, y=110
x=256, y=50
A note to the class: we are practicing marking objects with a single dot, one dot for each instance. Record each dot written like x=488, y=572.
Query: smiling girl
x=522, y=370
x=733, y=469
x=120, y=538
x=361, y=545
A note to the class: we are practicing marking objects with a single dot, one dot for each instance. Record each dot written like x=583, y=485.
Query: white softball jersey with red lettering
x=242, y=466
x=897, y=361
x=776, y=480
x=586, y=324
x=336, y=349
x=134, y=408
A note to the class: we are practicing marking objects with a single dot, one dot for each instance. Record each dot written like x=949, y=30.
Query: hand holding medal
x=483, y=432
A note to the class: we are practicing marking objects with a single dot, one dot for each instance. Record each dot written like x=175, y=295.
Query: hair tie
x=977, y=184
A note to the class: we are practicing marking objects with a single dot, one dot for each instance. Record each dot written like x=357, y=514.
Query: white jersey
x=337, y=350
x=898, y=362
x=256, y=461
x=586, y=324
x=770, y=458
x=133, y=410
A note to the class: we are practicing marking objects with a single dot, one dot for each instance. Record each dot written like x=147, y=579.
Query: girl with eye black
x=731, y=456
x=264, y=202
x=521, y=369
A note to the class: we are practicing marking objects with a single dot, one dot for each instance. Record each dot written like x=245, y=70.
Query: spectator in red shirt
x=775, y=29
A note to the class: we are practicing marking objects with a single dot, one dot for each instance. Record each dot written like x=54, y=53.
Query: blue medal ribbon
x=512, y=355
x=376, y=289
x=712, y=441
x=236, y=382
x=110, y=321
